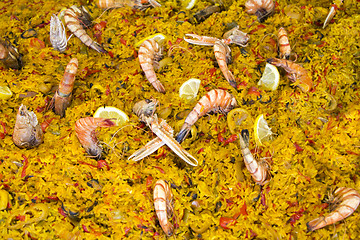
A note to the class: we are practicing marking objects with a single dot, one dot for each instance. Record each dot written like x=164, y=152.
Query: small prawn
x=63, y=95
x=74, y=19
x=85, y=132
x=136, y=4
x=27, y=130
x=150, y=53
x=343, y=203
x=261, y=8
x=284, y=45
x=57, y=34
x=10, y=56
x=164, y=206
x=223, y=57
x=258, y=171
x=216, y=100
x=295, y=73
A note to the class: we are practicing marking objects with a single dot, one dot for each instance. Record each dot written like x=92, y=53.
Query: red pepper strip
x=107, y=92
x=298, y=148
x=101, y=164
x=46, y=124
x=212, y=71
x=149, y=181
x=254, y=90
x=226, y=222
x=241, y=212
x=160, y=169
x=220, y=138
x=26, y=164
x=231, y=139
x=81, y=162
x=111, y=54
x=61, y=211
x=2, y=135
x=296, y=216
x=200, y=150
x=85, y=228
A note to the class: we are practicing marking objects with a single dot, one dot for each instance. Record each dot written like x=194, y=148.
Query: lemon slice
x=237, y=117
x=189, y=89
x=270, y=78
x=188, y=4
x=157, y=37
x=5, y=92
x=262, y=131
x=113, y=113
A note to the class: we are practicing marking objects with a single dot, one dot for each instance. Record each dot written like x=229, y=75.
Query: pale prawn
x=216, y=100
x=85, y=132
x=223, y=57
x=258, y=171
x=261, y=8
x=164, y=206
x=136, y=4
x=295, y=73
x=145, y=110
x=57, y=34
x=63, y=95
x=343, y=203
x=74, y=19
x=27, y=130
x=150, y=53
x=284, y=45
x=9, y=55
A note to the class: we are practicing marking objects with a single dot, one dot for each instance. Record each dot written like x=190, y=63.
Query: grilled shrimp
x=57, y=34
x=85, y=132
x=295, y=73
x=258, y=171
x=136, y=4
x=284, y=45
x=63, y=95
x=261, y=8
x=216, y=100
x=223, y=57
x=9, y=55
x=164, y=206
x=149, y=55
x=74, y=19
x=145, y=110
x=27, y=130
x=343, y=203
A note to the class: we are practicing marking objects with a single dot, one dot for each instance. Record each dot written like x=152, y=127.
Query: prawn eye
x=147, y=100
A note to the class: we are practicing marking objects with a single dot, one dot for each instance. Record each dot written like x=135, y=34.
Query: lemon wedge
x=237, y=117
x=113, y=113
x=188, y=4
x=5, y=92
x=189, y=89
x=157, y=37
x=270, y=78
x=262, y=131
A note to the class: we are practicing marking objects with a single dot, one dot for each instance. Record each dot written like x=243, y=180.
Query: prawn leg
x=200, y=40
x=148, y=149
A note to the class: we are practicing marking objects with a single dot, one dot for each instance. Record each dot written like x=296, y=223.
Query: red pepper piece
x=298, y=148
x=26, y=164
x=231, y=139
x=226, y=222
x=254, y=90
x=101, y=164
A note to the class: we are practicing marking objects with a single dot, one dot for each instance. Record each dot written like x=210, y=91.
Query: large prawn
x=85, y=132
x=343, y=203
x=216, y=100
x=27, y=130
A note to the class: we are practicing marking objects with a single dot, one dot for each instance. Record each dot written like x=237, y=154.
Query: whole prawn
x=74, y=19
x=343, y=203
x=258, y=171
x=136, y=4
x=9, y=55
x=295, y=73
x=216, y=100
x=223, y=57
x=85, y=132
x=149, y=55
x=63, y=95
x=164, y=206
x=284, y=45
x=57, y=34
x=27, y=130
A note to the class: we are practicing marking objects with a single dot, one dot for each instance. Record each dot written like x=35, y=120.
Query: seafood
x=216, y=100
x=57, y=34
x=145, y=110
x=261, y=8
x=258, y=171
x=203, y=14
x=284, y=45
x=200, y=40
x=63, y=95
x=27, y=130
x=342, y=204
x=164, y=206
x=85, y=132
x=136, y=4
x=295, y=73
x=223, y=57
x=331, y=13
x=150, y=53
x=236, y=36
x=75, y=19
x=9, y=55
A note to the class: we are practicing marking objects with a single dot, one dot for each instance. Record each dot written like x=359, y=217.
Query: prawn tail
x=314, y=224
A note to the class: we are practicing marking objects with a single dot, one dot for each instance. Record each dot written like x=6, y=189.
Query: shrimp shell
x=136, y=4
x=261, y=8
x=223, y=56
x=74, y=17
x=27, y=131
x=216, y=100
x=9, y=55
x=85, y=132
x=63, y=95
x=163, y=206
x=343, y=204
x=57, y=34
x=284, y=45
x=149, y=54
